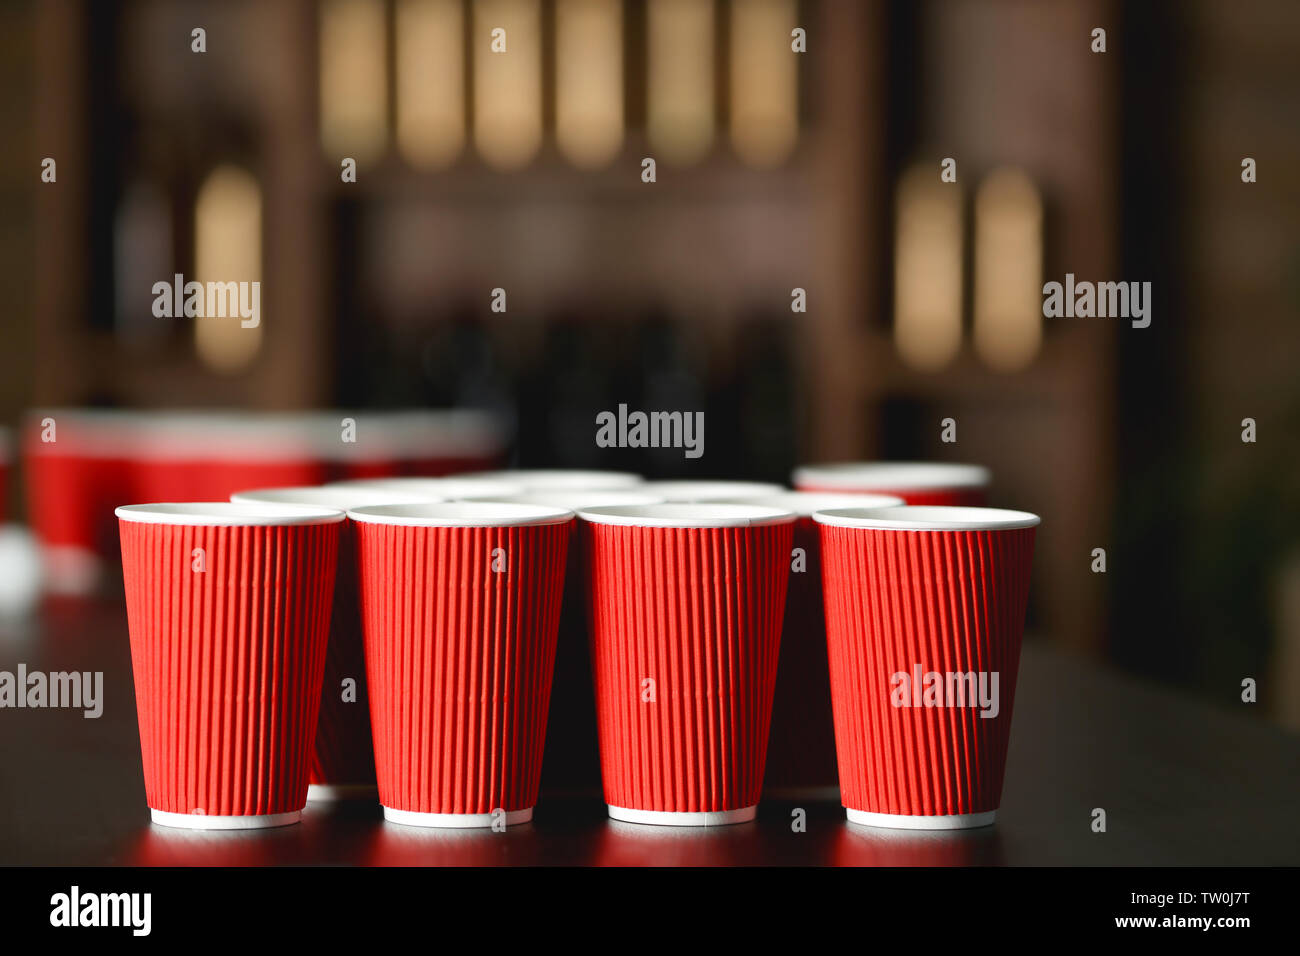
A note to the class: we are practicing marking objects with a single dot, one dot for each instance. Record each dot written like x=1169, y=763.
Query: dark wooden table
x=1182, y=783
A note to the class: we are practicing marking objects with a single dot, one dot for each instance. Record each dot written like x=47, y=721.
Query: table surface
x=1182, y=783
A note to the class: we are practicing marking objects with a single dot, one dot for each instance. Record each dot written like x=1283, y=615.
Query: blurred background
x=775, y=171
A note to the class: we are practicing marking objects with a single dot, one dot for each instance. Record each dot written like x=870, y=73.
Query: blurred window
x=679, y=108
x=430, y=38
x=589, y=80
x=764, y=81
x=228, y=249
x=507, y=55
x=927, y=269
x=353, y=79
x=1008, y=270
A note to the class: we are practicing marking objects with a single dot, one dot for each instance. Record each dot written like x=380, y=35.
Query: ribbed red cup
x=686, y=608
x=343, y=756
x=459, y=605
x=227, y=649
x=801, y=746
x=916, y=482
x=925, y=611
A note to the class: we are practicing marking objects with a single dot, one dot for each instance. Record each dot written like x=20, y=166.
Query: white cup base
x=906, y=821
x=202, y=821
x=334, y=792
x=454, y=821
x=683, y=818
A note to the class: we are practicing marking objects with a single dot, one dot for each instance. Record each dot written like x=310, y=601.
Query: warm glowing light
x=764, y=81
x=508, y=84
x=680, y=114
x=589, y=80
x=927, y=269
x=353, y=79
x=228, y=249
x=1008, y=270
x=430, y=81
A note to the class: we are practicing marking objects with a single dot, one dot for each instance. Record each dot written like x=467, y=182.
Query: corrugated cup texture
x=344, y=753
x=228, y=661
x=459, y=657
x=952, y=602
x=801, y=751
x=698, y=612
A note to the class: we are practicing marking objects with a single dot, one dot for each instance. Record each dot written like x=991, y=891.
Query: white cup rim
x=891, y=475
x=461, y=514
x=558, y=479
x=227, y=513
x=688, y=514
x=575, y=499
x=326, y=496
x=928, y=518
x=804, y=503
x=432, y=490
x=710, y=489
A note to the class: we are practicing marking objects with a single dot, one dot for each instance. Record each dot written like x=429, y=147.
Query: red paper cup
x=375, y=450
x=801, y=746
x=459, y=604
x=686, y=607
x=343, y=756
x=415, y=442
x=925, y=610
x=207, y=456
x=692, y=491
x=77, y=469
x=342, y=444
x=560, y=479
x=444, y=441
x=917, y=483
x=227, y=658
